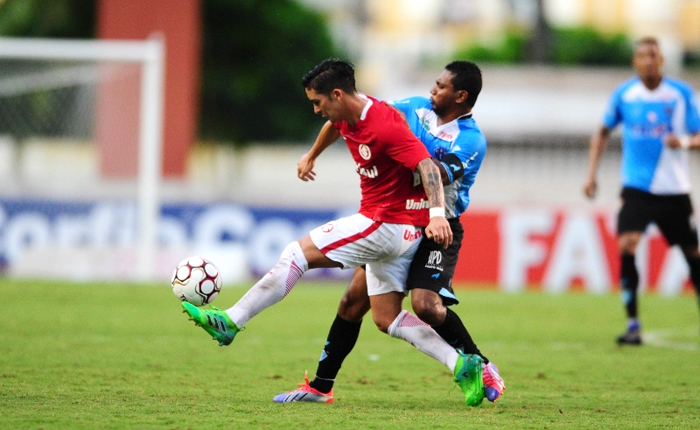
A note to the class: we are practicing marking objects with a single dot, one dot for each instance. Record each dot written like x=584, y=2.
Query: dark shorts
x=673, y=214
x=433, y=266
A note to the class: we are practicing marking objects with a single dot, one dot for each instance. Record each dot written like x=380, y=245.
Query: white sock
x=410, y=328
x=273, y=287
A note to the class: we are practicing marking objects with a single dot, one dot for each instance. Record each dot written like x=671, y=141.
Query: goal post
x=150, y=55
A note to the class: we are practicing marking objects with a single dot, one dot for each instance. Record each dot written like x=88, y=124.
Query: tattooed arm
x=438, y=229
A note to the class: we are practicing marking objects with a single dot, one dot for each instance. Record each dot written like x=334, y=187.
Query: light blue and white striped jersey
x=647, y=116
x=459, y=145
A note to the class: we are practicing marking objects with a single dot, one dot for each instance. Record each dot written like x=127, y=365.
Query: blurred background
x=229, y=120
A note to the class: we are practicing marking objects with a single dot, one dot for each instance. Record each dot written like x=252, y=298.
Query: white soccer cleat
x=305, y=393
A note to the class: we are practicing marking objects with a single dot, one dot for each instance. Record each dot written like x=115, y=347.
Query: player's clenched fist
x=439, y=230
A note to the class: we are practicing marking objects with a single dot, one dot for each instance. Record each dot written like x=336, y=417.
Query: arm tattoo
x=430, y=176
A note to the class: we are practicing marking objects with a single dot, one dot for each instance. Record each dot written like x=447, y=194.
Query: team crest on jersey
x=652, y=117
x=327, y=228
x=365, y=153
x=668, y=109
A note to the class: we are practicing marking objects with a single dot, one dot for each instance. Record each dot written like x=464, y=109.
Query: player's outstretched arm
x=438, y=229
x=326, y=137
x=599, y=141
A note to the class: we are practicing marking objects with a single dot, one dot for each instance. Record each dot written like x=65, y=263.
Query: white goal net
x=69, y=206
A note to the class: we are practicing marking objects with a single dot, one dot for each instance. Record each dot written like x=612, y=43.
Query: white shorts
x=386, y=249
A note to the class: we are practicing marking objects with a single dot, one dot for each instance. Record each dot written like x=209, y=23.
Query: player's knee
x=355, y=302
x=627, y=242
x=353, y=308
x=429, y=312
x=383, y=327
x=428, y=306
x=345, y=308
x=382, y=322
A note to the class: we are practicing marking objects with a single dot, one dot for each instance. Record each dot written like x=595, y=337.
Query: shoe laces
x=222, y=318
x=305, y=386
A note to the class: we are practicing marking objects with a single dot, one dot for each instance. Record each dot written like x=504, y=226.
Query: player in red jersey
x=384, y=235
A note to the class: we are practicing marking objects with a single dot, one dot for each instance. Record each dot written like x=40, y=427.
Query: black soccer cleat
x=630, y=337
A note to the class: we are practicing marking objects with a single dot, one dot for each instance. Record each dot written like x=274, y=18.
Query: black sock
x=629, y=280
x=694, y=265
x=455, y=333
x=341, y=340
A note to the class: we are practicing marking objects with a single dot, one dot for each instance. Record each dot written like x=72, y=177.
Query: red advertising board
x=560, y=250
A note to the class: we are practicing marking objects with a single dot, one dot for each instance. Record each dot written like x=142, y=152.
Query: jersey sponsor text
x=412, y=235
x=416, y=205
x=372, y=172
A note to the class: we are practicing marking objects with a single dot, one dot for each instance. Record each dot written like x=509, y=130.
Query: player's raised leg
x=295, y=260
x=214, y=321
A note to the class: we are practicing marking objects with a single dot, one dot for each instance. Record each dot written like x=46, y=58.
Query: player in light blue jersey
x=445, y=125
x=660, y=122
x=458, y=144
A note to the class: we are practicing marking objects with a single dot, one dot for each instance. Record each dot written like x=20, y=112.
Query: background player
x=445, y=125
x=660, y=122
x=385, y=233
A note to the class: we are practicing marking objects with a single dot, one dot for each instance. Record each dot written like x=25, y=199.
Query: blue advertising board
x=262, y=231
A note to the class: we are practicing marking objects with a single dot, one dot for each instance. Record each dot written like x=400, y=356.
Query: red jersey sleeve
x=401, y=144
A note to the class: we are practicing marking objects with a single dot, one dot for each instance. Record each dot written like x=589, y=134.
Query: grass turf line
x=114, y=356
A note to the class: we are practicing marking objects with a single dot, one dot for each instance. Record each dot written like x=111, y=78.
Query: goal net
x=80, y=158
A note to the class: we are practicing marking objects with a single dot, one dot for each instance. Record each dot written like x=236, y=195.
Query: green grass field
x=113, y=356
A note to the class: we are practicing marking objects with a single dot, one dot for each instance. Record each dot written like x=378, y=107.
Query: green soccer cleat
x=468, y=375
x=215, y=322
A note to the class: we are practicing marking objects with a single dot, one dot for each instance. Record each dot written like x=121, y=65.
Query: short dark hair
x=648, y=40
x=330, y=74
x=467, y=77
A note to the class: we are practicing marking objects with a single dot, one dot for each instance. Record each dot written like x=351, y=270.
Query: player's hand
x=672, y=141
x=305, y=168
x=439, y=230
x=590, y=188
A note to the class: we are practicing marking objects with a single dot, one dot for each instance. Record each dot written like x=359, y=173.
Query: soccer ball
x=196, y=280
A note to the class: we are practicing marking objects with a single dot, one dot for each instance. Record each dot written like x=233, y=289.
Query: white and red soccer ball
x=196, y=280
